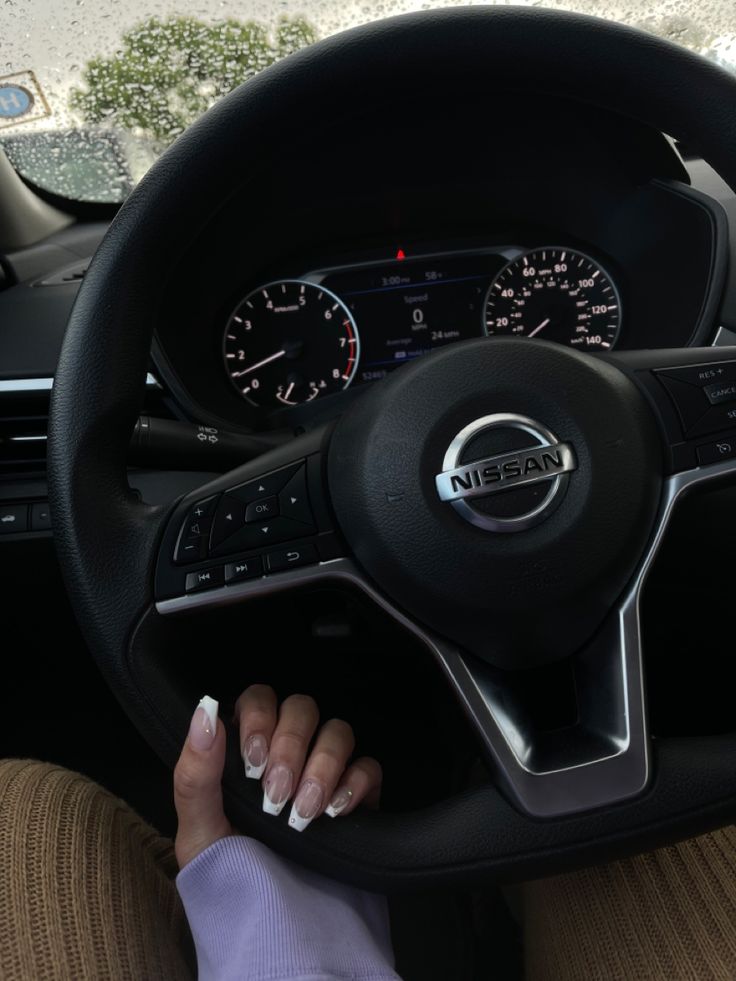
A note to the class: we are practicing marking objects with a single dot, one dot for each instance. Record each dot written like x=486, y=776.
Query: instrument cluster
x=291, y=341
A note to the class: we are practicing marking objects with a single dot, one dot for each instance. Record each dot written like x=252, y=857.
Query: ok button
x=263, y=510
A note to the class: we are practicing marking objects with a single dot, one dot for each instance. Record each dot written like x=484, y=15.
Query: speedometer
x=289, y=342
x=555, y=294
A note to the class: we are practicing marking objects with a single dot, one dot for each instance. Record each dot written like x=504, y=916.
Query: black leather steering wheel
x=602, y=433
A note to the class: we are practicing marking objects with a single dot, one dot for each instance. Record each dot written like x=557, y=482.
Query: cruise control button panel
x=704, y=396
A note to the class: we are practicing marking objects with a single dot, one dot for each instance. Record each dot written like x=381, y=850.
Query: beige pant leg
x=669, y=915
x=86, y=886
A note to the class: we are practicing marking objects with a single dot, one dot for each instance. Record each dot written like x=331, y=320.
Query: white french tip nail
x=270, y=808
x=339, y=802
x=211, y=707
x=296, y=822
x=255, y=772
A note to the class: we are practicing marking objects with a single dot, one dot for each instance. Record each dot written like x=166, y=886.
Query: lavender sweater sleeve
x=257, y=917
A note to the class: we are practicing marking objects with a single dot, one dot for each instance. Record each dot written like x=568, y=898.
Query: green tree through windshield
x=123, y=80
x=166, y=73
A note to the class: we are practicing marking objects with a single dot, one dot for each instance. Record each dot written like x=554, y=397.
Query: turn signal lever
x=186, y=445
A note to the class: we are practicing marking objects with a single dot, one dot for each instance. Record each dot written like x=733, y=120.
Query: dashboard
x=302, y=292
x=307, y=289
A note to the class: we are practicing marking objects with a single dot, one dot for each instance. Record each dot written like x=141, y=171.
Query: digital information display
x=408, y=307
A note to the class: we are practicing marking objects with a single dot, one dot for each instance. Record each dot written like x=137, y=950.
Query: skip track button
x=244, y=569
x=204, y=579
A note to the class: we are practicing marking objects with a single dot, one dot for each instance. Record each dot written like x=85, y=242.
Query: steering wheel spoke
x=599, y=757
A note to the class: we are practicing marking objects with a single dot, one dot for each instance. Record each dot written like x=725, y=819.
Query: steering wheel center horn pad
x=628, y=435
x=513, y=600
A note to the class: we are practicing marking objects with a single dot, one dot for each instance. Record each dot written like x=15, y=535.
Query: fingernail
x=203, y=727
x=339, y=802
x=277, y=789
x=255, y=756
x=306, y=805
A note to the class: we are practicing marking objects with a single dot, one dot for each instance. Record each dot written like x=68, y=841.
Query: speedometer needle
x=541, y=326
x=259, y=364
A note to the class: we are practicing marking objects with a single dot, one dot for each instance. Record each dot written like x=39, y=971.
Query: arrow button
x=267, y=485
x=294, y=500
x=229, y=519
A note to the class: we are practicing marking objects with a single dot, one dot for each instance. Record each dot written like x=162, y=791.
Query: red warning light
x=401, y=254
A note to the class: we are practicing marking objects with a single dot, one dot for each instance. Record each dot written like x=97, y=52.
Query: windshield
x=91, y=91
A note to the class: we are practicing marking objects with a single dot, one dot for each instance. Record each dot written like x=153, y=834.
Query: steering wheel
x=592, y=454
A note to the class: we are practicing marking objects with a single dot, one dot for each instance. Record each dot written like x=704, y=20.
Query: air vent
x=23, y=424
x=24, y=407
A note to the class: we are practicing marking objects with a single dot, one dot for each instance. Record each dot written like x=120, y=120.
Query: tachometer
x=558, y=295
x=288, y=342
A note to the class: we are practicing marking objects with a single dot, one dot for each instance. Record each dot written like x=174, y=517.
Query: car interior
x=415, y=394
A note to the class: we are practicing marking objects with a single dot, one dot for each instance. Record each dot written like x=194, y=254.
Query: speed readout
x=555, y=294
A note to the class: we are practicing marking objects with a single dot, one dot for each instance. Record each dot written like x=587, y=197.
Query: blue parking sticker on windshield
x=21, y=99
x=15, y=100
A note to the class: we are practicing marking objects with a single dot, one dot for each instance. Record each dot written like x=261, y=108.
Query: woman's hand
x=275, y=745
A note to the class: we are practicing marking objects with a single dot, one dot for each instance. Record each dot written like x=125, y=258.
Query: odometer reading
x=558, y=295
x=289, y=342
